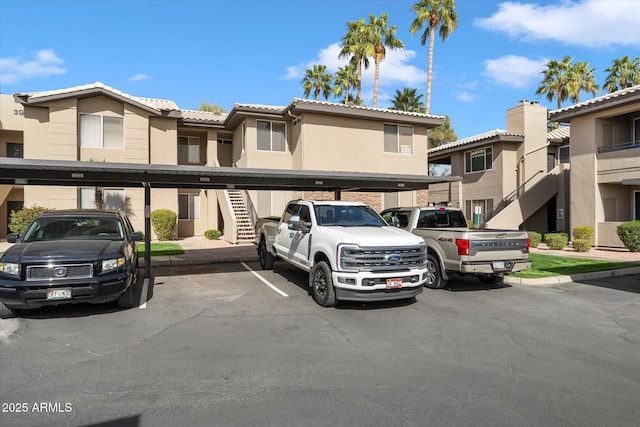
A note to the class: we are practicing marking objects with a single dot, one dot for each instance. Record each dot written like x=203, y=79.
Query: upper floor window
x=101, y=131
x=188, y=150
x=398, y=139
x=15, y=150
x=563, y=152
x=271, y=136
x=478, y=160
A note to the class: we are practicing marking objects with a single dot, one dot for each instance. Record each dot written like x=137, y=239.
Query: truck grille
x=382, y=259
x=59, y=272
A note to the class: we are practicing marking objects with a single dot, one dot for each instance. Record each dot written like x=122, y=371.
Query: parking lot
x=230, y=345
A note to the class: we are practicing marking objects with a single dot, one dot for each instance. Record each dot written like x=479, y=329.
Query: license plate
x=499, y=265
x=394, y=283
x=59, y=293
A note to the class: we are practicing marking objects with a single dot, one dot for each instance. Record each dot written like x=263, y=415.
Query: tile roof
x=362, y=108
x=559, y=134
x=620, y=95
x=476, y=138
x=202, y=116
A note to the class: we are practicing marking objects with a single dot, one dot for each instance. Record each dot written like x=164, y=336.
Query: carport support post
x=147, y=234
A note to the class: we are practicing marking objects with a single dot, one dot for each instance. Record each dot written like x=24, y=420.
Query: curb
x=556, y=280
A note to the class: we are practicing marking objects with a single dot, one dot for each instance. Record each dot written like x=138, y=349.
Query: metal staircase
x=244, y=227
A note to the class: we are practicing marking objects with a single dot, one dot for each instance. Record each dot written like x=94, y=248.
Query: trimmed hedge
x=212, y=234
x=535, y=238
x=583, y=232
x=629, y=233
x=581, y=245
x=163, y=222
x=557, y=241
x=20, y=219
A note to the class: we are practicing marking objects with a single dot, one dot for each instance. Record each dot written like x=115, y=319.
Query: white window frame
x=470, y=152
x=284, y=136
x=398, y=148
x=190, y=140
x=90, y=202
x=193, y=206
x=101, y=137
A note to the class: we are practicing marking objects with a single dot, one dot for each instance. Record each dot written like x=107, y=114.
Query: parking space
x=217, y=345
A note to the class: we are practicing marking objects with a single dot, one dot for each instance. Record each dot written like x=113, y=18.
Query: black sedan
x=70, y=256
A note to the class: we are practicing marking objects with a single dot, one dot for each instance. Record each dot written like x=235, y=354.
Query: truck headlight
x=111, y=264
x=348, y=257
x=12, y=268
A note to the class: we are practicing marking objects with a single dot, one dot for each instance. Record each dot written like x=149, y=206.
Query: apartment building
x=98, y=123
x=585, y=172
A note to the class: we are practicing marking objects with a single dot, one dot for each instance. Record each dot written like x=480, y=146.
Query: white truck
x=351, y=253
x=455, y=248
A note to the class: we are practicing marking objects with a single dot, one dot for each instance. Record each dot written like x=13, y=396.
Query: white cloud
x=395, y=69
x=466, y=96
x=591, y=23
x=514, y=71
x=138, y=77
x=44, y=63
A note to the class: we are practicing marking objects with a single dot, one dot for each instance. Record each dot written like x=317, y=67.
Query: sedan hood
x=373, y=236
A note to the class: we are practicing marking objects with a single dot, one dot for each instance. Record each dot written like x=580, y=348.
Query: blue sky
x=256, y=51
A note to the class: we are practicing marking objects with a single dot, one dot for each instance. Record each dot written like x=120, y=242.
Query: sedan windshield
x=67, y=228
x=348, y=216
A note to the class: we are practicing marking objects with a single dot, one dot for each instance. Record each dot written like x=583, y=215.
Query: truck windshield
x=348, y=216
x=65, y=228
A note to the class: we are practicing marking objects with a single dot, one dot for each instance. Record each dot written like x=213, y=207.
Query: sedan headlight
x=111, y=264
x=11, y=268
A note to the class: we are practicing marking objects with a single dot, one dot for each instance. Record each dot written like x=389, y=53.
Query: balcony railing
x=619, y=146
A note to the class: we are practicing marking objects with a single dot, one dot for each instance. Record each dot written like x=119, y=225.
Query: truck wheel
x=266, y=257
x=322, y=285
x=434, y=273
x=7, y=312
x=131, y=297
x=490, y=278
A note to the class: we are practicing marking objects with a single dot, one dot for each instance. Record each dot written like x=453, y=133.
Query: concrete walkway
x=199, y=250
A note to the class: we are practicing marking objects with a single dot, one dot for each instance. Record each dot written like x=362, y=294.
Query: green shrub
x=535, y=238
x=581, y=245
x=629, y=233
x=20, y=219
x=212, y=234
x=583, y=232
x=557, y=241
x=163, y=222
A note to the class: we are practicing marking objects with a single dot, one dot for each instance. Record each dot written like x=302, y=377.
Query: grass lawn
x=158, y=249
x=552, y=265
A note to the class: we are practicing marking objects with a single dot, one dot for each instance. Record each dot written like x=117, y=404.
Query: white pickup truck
x=455, y=248
x=351, y=253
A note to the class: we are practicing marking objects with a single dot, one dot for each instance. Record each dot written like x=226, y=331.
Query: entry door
x=636, y=204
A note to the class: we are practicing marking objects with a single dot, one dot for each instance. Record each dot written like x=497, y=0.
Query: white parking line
x=263, y=280
x=144, y=297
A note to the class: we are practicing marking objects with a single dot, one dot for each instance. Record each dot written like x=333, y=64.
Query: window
x=188, y=206
x=271, y=136
x=636, y=130
x=188, y=150
x=563, y=152
x=112, y=198
x=101, y=131
x=478, y=160
x=636, y=205
x=398, y=139
x=15, y=150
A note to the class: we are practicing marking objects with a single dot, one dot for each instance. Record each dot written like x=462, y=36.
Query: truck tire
x=434, y=273
x=322, y=285
x=266, y=257
x=7, y=312
x=131, y=297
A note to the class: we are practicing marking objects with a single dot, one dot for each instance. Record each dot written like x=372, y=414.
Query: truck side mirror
x=294, y=223
x=394, y=222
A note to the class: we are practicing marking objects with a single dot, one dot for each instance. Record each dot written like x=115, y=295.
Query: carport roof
x=76, y=173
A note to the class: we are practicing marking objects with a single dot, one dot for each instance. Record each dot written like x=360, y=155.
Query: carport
x=135, y=175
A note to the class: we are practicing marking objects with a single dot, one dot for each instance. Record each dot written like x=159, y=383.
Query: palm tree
x=434, y=15
x=345, y=78
x=555, y=80
x=319, y=80
x=381, y=36
x=623, y=73
x=354, y=46
x=407, y=100
x=580, y=78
